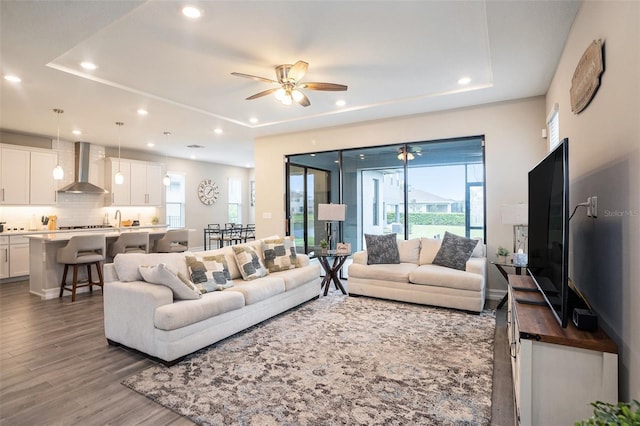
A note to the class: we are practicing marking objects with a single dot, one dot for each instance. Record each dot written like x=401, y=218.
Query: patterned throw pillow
x=209, y=273
x=249, y=263
x=163, y=274
x=279, y=254
x=455, y=251
x=382, y=249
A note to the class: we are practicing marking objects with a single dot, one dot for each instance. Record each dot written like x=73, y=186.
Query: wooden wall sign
x=586, y=77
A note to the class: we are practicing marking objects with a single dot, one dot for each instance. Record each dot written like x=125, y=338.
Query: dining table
x=232, y=235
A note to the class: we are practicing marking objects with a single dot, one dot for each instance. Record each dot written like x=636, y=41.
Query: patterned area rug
x=338, y=360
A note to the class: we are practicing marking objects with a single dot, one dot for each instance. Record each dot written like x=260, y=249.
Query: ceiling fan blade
x=304, y=101
x=254, y=77
x=263, y=93
x=298, y=70
x=324, y=86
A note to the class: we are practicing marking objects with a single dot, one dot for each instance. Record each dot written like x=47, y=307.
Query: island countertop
x=57, y=236
x=45, y=273
x=27, y=233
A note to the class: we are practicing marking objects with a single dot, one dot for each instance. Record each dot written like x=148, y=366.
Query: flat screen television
x=548, y=257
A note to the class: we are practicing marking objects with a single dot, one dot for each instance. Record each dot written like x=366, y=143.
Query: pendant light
x=58, y=172
x=166, y=180
x=119, y=177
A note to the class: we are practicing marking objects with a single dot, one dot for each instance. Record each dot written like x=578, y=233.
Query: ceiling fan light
x=280, y=94
x=287, y=100
x=297, y=95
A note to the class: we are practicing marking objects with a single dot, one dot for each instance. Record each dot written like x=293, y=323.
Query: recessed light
x=142, y=112
x=464, y=81
x=89, y=66
x=193, y=157
x=248, y=165
x=341, y=103
x=253, y=120
x=218, y=131
x=191, y=12
x=13, y=78
x=76, y=132
x=151, y=144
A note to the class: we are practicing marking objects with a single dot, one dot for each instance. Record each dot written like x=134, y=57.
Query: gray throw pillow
x=455, y=251
x=382, y=249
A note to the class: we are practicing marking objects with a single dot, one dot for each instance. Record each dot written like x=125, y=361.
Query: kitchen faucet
x=118, y=216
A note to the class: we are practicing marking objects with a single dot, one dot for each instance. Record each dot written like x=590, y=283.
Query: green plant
x=155, y=220
x=606, y=414
x=324, y=244
x=502, y=251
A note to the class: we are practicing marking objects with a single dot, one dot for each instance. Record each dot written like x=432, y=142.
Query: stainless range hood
x=82, y=185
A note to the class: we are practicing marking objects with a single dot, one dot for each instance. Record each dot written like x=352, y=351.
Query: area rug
x=338, y=360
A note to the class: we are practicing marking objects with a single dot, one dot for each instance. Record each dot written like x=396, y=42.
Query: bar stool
x=174, y=241
x=82, y=250
x=130, y=242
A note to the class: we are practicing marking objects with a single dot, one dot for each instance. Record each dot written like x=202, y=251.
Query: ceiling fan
x=289, y=83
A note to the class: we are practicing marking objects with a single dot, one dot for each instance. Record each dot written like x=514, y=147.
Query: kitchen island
x=45, y=273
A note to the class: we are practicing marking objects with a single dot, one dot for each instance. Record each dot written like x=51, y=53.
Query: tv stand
x=557, y=372
x=531, y=302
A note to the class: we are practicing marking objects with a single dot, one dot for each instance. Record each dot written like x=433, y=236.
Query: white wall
x=198, y=215
x=604, y=149
x=513, y=145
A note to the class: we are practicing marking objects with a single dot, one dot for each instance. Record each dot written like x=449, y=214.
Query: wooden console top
x=538, y=323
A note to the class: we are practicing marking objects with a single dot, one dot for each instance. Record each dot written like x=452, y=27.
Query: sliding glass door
x=413, y=190
x=307, y=186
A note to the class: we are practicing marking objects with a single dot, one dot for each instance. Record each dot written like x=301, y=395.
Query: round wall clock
x=208, y=191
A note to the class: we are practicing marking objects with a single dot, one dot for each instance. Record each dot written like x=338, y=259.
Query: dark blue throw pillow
x=455, y=251
x=382, y=249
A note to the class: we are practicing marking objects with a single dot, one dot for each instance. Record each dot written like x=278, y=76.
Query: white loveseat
x=145, y=316
x=417, y=280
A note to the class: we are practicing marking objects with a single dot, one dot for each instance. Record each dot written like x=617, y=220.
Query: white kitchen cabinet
x=4, y=257
x=14, y=256
x=146, y=184
x=557, y=372
x=41, y=183
x=18, y=256
x=14, y=176
x=119, y=195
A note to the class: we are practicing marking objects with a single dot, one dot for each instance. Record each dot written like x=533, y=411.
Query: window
x=438, y=188
x=553, y=126
x=235, y=201
x=175, y=200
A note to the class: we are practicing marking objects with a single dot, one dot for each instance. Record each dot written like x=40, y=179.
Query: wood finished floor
x=56, y=367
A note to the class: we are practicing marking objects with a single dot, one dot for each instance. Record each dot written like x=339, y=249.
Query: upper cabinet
x=119, y=194
x=42, y=185
x=146, y=184
x=142, y=183
x=14, y=176
x=23, y=177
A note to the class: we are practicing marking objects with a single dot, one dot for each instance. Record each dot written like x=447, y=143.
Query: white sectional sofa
x=145, y=316
x=417, y=280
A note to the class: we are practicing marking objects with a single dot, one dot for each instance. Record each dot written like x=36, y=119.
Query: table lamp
x=331, y=213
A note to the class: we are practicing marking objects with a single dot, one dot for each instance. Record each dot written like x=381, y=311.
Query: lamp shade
x=332, y=212
x=515, y=214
